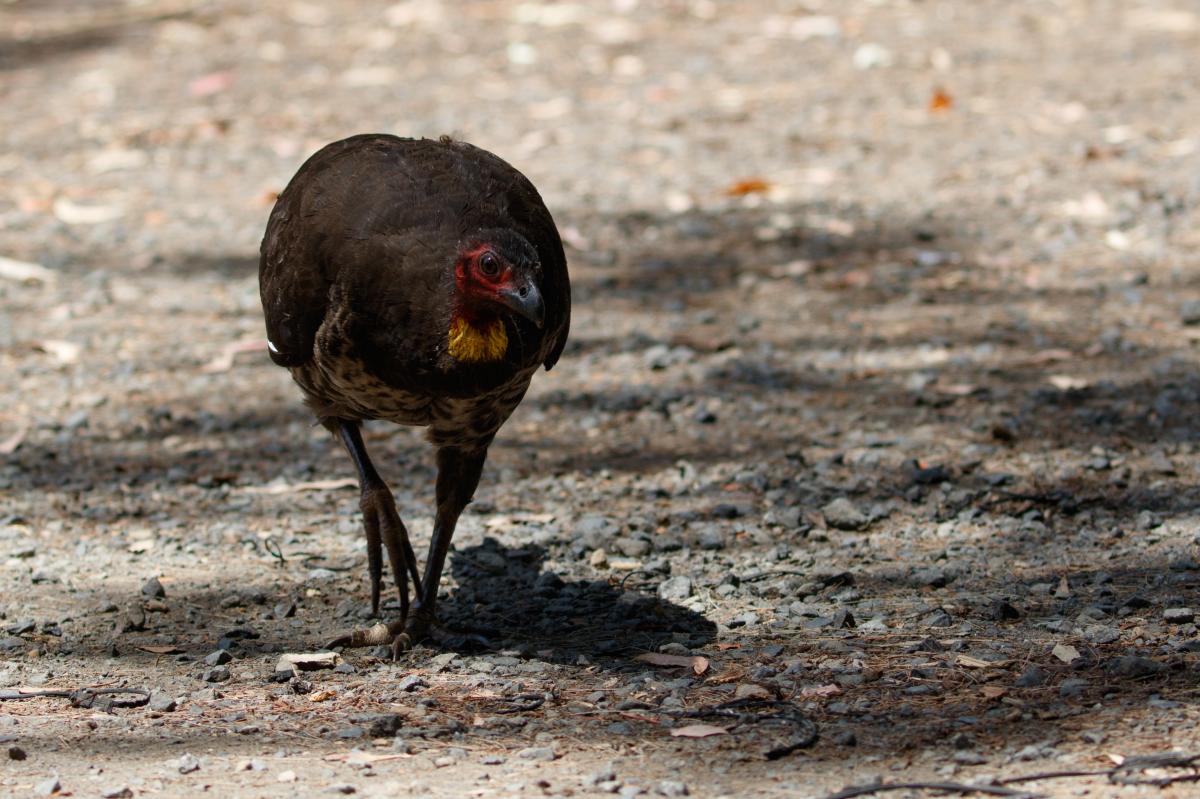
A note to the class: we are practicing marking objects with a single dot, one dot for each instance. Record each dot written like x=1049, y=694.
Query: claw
x=400, y=644
x=377, y=635
x=384, y=528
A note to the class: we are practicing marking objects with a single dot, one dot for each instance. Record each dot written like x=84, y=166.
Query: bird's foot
x=402, y=635
x=385, y=531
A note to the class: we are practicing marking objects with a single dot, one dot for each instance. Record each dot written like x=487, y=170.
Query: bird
x=421, y=282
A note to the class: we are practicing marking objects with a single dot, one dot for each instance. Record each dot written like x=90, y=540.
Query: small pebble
x=1072, y=689
x=162, y=702
x=842, y=514
x=216, y=674
x=48, y=787
x=536, y=753
x=16, y=753
x=153, y=588
x=1032, y=677
x=675, y=589
x=218, y=658
x=1179, y=615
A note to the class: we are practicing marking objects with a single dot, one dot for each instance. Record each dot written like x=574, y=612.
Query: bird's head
x=497, y=272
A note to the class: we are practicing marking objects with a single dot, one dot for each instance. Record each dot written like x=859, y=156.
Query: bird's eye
x=489, y=264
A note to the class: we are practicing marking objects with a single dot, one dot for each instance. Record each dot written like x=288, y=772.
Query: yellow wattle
x=469, y=344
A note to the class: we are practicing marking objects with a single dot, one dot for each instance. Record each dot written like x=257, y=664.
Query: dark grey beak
x=526, y=300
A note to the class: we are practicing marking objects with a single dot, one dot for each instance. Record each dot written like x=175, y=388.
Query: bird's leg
x=384, y=529
x=458, y=476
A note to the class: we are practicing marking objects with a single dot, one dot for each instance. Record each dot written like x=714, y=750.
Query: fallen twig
x=86, y=697
x=761, y=711
x=521, y=703
x=947, y=787
x=1120, y=775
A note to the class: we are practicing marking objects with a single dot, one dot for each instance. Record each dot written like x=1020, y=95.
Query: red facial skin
x=476, y=290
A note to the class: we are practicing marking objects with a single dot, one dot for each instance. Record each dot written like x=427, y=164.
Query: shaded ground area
x=880, y=398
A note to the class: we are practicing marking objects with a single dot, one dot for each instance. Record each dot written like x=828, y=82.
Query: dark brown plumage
x=422, y=282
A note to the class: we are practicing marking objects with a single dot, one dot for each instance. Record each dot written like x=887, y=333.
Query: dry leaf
x=212, y=83
x=63, y=351
x=993, y=691
x=1065, y=652
x=832, y=689
x=223, y=362
x=697, y=731
x=940, y=101
x=726, y=647
x=24, y=271
x=322, y=696
x=748, y=186
x=360, y=758
x=976, y=663
x=697, y=663
x=9, y=445
x=314, y=485
x=749, y=690
x=74, y=213
x=156, y=649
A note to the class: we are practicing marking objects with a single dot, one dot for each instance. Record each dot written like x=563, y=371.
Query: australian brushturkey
x=422, y=282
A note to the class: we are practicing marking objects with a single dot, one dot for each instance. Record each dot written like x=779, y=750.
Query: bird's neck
x=475, y=340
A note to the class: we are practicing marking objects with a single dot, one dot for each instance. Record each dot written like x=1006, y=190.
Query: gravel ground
x=878, y=414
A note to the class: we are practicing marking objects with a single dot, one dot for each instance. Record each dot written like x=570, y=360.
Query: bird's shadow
x=506, y=600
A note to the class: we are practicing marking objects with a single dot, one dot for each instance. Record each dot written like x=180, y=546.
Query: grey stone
x=969, y=758
x=153, y=589
x=1072, y=688
x=122, y=792
x=216, y=674
x=632, y=547
x=132, y=620
x=1101, y=634
x=1179, y=615
x=1032, y=677
x=411, y=683
x=605, y=774
x=218, y=658
x=675, y=588
x=843, y=514
x=672, y=788
x=162, y=702
x=544, y=753
x=48, y=787
x=932, y=577
x=711, y=538
x=1189, y=312
x=1133, y=666
x=187, y=763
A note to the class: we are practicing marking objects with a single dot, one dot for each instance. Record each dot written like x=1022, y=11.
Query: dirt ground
x=881, y=398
